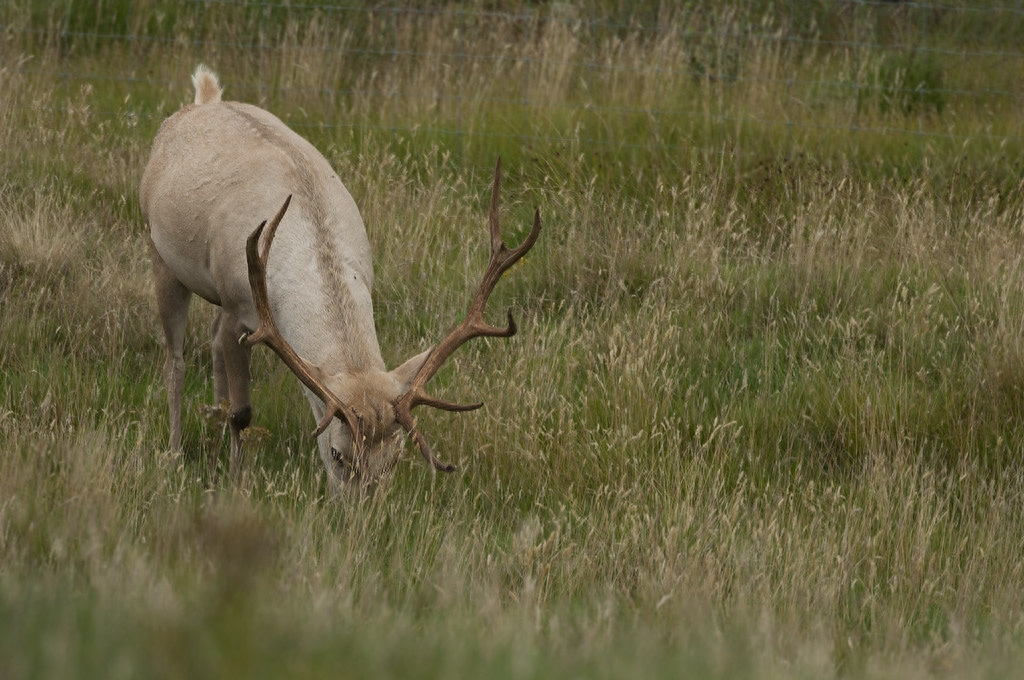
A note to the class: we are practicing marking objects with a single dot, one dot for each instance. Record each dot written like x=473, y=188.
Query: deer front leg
x=220, y=372
x=231, y=382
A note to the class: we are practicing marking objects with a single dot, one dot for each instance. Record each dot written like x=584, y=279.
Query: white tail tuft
x=207, y=86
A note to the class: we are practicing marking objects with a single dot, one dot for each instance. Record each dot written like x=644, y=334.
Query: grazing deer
x=217, y=170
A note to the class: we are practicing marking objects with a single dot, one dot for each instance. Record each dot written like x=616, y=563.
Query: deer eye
x=341, y=458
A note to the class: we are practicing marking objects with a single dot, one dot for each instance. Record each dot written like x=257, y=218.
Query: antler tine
x=492, y=215
x=272, y=232
x=404, y=418
x=268, y=334
x=502, y=258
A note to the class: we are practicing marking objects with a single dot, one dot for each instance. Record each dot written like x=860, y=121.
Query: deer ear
x=405, y=373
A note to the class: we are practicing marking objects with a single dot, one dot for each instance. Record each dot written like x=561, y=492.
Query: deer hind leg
x=172, y=301
x=231, y=382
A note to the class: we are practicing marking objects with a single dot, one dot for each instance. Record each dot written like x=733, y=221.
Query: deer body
x=217, y=170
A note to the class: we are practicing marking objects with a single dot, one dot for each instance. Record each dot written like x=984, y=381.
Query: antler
x=268, y=334
x=473, y=326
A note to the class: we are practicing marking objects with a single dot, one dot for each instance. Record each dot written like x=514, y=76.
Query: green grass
x=763, y=417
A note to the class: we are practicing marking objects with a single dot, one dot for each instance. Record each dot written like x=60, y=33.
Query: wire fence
x=646, y=78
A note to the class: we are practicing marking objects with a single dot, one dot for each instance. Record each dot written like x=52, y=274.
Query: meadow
x=764, y=416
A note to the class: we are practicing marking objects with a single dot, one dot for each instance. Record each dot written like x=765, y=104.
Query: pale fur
x=217, y=170
x=207, y=86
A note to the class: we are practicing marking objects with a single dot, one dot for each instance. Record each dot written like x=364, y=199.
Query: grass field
x=764, y=416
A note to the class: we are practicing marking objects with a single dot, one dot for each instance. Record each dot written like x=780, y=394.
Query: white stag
x=217, y=170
